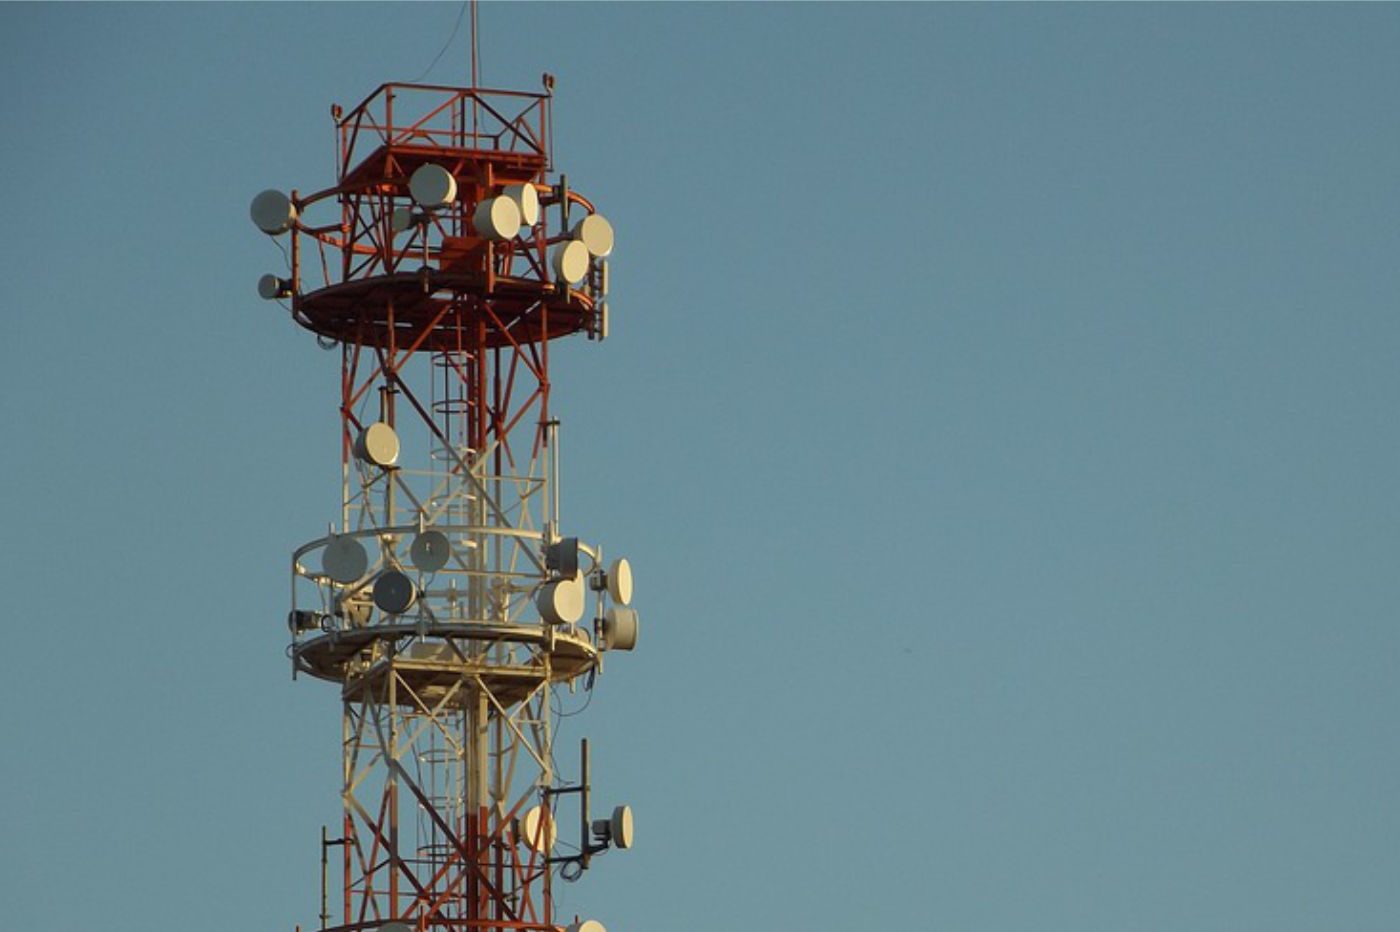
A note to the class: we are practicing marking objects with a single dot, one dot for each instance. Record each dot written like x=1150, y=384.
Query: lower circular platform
x=454, y=656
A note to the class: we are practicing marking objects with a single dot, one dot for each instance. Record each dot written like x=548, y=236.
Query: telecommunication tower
x=446, y=600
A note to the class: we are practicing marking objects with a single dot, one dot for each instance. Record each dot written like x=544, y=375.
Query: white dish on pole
x=527, y=199
x=394, y=592
x=496, y=218
x=562, y=601
x=570, y=261
x=430, y=551
x=620, y=827
x=432, y=186
x=596, y=234
x=271, y=287
x=378, y=445
x=620, y=582
x=586, y=925
x=273, y=212
x=621, y=626
x=537, y=829
x=344, y=560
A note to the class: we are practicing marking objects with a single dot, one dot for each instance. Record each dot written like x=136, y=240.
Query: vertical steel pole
x=583, y=803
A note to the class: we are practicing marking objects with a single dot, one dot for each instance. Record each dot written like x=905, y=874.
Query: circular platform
x=432, y=668
x=453, y=310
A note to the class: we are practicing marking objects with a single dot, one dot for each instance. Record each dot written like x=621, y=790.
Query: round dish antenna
x=620, y=582
x=430, y=551
x=596, y=233
x=401, y=219
x=570, y=261
x=562, y=602
x=273, y=212
x=378, y=445
x=394, y=592
x=537, y=829
x=344, y=560
x=620, y=628
x=270, y=287
x=433, y=186
x=497, y=218
x=620, y=826
x=527, y=199
x=587, y=925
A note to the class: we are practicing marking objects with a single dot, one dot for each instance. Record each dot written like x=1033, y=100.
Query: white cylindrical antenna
x=601, y=323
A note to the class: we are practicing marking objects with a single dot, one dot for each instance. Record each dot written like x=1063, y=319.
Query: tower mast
x=447, y=601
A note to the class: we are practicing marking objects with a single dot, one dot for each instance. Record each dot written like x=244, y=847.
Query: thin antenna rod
x=476, y=74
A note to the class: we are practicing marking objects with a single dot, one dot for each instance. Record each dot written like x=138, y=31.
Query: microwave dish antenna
x=430, y=551
x=433, y=186
x=596, y=234
x=273, y=212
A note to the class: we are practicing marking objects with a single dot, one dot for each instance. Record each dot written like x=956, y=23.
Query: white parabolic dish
x=344, y=559
x=532, y=834
x=378, y=444
x=394, y=592
x=273, y=212
x=562, y=602
x=620, y=628
x=430, y=551
x=433, y=186
x=596, y=234
x=496, y=218
x=527, y=199
x=587, y=925
x=621, y=826
x=620, y=582
x=571, y=261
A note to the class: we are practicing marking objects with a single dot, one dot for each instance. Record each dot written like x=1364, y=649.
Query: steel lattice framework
x=444, y=337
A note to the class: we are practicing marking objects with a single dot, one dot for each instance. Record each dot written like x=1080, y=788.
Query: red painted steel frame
x=488, y=310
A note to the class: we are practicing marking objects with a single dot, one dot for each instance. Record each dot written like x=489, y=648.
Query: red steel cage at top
x=392, y=271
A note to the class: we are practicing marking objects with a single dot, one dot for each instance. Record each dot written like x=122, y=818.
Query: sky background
x=1000, y=417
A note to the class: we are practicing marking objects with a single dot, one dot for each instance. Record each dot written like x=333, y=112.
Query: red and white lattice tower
x=446, y=601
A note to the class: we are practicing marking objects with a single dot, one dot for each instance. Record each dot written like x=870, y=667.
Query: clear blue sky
x=1000, y=417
